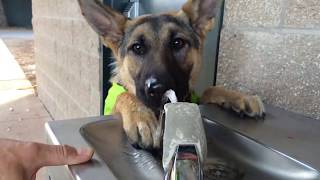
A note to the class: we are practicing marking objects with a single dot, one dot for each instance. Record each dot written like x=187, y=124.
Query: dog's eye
x=138, y=49
x=178, y=43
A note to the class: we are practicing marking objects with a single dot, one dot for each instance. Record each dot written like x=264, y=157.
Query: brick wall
x=3, y=21
x=67, y=58
x=272, y=48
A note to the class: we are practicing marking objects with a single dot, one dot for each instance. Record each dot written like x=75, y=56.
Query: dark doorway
x=107, y=58
x=18, y=13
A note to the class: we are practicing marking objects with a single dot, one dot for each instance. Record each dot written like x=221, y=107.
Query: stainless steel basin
x=231, y=155
x=252, y=159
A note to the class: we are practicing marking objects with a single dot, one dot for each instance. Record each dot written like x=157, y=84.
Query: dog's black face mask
x=154, y=79
x=162, y=48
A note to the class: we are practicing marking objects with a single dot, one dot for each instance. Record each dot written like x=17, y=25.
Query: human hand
x=21, y=160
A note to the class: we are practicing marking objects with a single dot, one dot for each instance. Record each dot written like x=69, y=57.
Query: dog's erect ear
x=104, y=20
x=201, y=14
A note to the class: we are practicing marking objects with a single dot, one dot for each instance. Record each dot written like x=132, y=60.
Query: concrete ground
x=22, y=116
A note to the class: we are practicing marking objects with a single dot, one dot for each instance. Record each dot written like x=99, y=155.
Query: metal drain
x=217, y=169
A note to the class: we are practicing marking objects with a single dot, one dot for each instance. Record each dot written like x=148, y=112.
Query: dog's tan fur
x=139, y=122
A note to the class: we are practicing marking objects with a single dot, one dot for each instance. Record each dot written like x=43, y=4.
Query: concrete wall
x=3, y=21
x=272, y=48
x=67, y=58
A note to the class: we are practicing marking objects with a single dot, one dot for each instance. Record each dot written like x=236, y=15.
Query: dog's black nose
x=154, y=88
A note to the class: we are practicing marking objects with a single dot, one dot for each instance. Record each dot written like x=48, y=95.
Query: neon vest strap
x=113, y=93
x=194, y=98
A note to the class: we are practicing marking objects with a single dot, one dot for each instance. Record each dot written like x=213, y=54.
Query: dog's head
x=154, y=53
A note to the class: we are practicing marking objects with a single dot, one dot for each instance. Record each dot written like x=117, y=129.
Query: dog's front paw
x=254, y=107
x=251, y=106
x=140, y=126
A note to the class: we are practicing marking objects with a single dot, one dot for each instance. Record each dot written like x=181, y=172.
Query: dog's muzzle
x=154, y=89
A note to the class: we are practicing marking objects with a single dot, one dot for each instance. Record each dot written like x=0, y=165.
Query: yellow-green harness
x=117, y=89
x=113, y=93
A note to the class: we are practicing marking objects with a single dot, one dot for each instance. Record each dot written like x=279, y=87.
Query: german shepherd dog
x=155, y=53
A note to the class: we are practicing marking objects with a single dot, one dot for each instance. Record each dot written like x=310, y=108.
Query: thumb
x=54, y=155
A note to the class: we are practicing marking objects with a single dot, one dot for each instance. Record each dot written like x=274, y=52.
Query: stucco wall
x=272, y=48
x=67, y=59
